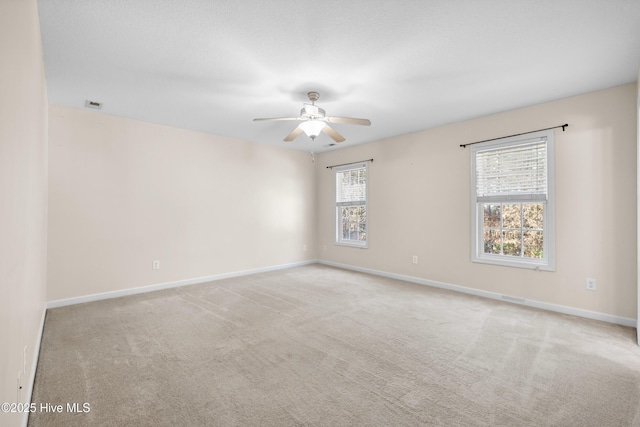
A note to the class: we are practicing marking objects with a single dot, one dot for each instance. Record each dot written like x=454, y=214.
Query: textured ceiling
x=408, y=65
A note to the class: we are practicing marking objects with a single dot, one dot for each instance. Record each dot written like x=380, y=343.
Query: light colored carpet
x=320, y=346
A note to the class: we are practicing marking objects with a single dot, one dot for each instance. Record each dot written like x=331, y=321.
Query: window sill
x=514, y=263
x=353, y=245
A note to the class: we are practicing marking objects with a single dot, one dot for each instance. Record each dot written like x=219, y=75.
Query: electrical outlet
x=304, y=248
x=324, y=247
x=591, y=284
x=415, y=259
x=156, y=265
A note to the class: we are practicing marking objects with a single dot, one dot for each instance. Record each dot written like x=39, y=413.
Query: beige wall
x=419, y=204
x=124, y=193
x=23, y=194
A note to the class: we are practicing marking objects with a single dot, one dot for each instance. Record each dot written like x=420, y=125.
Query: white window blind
x=351, y=186
x=513, y=172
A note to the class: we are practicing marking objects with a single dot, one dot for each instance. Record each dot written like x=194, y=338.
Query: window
x=512, y=202
x=351, y=205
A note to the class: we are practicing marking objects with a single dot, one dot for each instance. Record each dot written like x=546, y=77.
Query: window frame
x=547, y=263
x=337, y=217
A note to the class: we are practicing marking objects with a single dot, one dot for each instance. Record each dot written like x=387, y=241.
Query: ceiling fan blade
x=349, y=120
x=297, y=131
x=274, y=119
x=333, y=134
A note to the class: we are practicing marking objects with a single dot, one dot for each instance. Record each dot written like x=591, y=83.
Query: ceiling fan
x=314, y=120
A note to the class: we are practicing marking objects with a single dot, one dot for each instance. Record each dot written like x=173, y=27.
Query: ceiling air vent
x=95, y=105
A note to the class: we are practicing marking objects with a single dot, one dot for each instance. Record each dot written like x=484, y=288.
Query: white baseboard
x=167, y=285
x=624, y=321
x=34, y=366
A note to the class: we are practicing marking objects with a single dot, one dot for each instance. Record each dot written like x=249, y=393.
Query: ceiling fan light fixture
x=312, y=128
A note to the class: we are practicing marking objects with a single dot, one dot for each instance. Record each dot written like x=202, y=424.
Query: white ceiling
x=214, y=65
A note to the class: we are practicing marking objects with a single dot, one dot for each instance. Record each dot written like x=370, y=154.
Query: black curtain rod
x=352, y=163
x=517, y=134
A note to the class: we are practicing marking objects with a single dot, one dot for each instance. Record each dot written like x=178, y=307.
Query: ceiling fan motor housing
x=312, y=112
